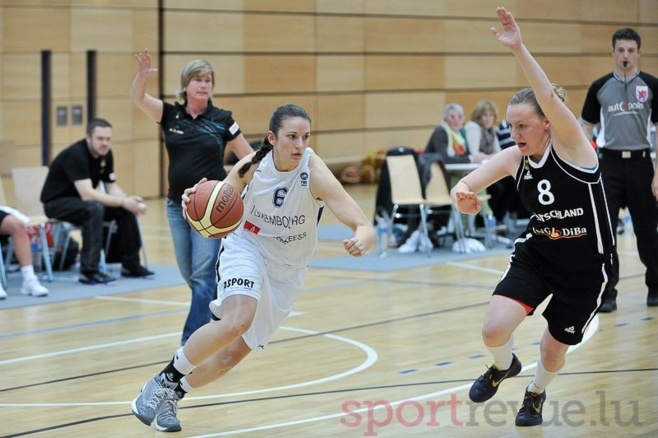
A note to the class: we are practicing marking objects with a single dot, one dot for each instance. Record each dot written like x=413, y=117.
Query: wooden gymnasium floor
x=365, y=354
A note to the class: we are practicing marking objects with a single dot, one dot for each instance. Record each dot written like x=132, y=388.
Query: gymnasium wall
x=372, y=73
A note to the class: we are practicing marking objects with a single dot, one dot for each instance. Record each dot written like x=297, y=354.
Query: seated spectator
x=12, y=226
x=504, y=135
x=449, y=138
x=482, y=136
x=72, y=193
x=449, y=142
x=481, y=129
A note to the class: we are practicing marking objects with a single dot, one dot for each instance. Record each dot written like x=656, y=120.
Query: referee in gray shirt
x=624, y=105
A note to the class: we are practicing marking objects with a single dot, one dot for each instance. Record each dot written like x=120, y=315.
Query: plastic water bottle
x=382, y=236
x=102, y=265
x=35, y=246
x=490, y=230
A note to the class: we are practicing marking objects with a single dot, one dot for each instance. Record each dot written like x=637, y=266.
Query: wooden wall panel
x=340, y=147
x=146, y=156
x=253, y=112
x=224, y=5
x=300, y=6
x=144, y=30
x=77, y=75
x=341, y=112
x=119, y=113
x=21, y=74
x=550, y=37
x=123, y=4
x=203, y=31
x=410, y=7
x=415, y=138
x=404, y=35
x=90, y=29
x=605, y=10
x=464, y=37
x=649, y=40
x=387, y=110
x=340, y=73
x=294, y=33
x=143, y=128
x=340, y=6
x=115, y=73
x=22, y=123
x=340, y=34
x=482, y=72
x=404, y=72
x=35, y=29
x=647, y=12
x=279, y=74
x=372, y=73
x=61, y=81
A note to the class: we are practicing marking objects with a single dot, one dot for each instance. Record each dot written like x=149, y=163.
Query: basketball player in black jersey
x=566, y=250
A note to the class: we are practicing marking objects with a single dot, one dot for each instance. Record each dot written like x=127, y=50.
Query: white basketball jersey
x=280, y=213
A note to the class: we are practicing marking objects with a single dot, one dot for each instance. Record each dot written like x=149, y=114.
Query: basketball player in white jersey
x=262, y=264
x=566, y=249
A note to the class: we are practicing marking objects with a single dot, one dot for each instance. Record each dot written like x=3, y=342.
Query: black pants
x=503, y=196
x=627, y=183
x=89, y=216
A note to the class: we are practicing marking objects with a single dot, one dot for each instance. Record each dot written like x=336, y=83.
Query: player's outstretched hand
x=144, y=63
x=511, y=36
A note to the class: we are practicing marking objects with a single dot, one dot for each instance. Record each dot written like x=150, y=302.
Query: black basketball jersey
x=569, y=227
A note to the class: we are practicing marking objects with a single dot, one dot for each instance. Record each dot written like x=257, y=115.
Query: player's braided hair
x=280, y=114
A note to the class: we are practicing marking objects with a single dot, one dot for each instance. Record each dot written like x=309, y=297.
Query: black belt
x=625, y=155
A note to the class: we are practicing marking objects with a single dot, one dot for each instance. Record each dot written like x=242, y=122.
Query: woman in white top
x=262, y=264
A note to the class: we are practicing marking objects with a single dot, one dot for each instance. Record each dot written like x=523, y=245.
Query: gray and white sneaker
x=166, y=420
x=148, y=402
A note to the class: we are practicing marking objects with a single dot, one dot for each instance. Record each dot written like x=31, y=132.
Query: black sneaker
x=530, y=412
x=609, y=305
x=652, y=298
x=487, y=384
x=137, y=271
x=95, y=277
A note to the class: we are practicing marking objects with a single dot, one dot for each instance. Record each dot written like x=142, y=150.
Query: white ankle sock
x=181, y=363
x=542, y=379
x=186, y=385
x=503, y=355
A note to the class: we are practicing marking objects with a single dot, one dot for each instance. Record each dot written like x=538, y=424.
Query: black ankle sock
x=180, y=392
x=171, y=376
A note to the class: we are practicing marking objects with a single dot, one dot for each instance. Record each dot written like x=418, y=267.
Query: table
x=490, y=234
x=462, y=167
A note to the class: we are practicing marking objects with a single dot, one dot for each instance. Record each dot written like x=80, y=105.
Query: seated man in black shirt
x=71, y=193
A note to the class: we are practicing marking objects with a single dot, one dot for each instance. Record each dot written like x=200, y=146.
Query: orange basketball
x=215, y=209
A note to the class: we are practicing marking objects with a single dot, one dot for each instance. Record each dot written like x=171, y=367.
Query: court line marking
x=592, y=328
x=371, y=358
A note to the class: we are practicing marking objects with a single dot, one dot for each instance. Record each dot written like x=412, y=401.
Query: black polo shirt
x=73, y=164
x=195, y=146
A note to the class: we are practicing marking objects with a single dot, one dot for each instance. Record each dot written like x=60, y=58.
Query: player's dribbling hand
x=185, y=197
x=468, y=202
x=354, y=247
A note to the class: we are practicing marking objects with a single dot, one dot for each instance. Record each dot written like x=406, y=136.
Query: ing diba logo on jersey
x=560, y=233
